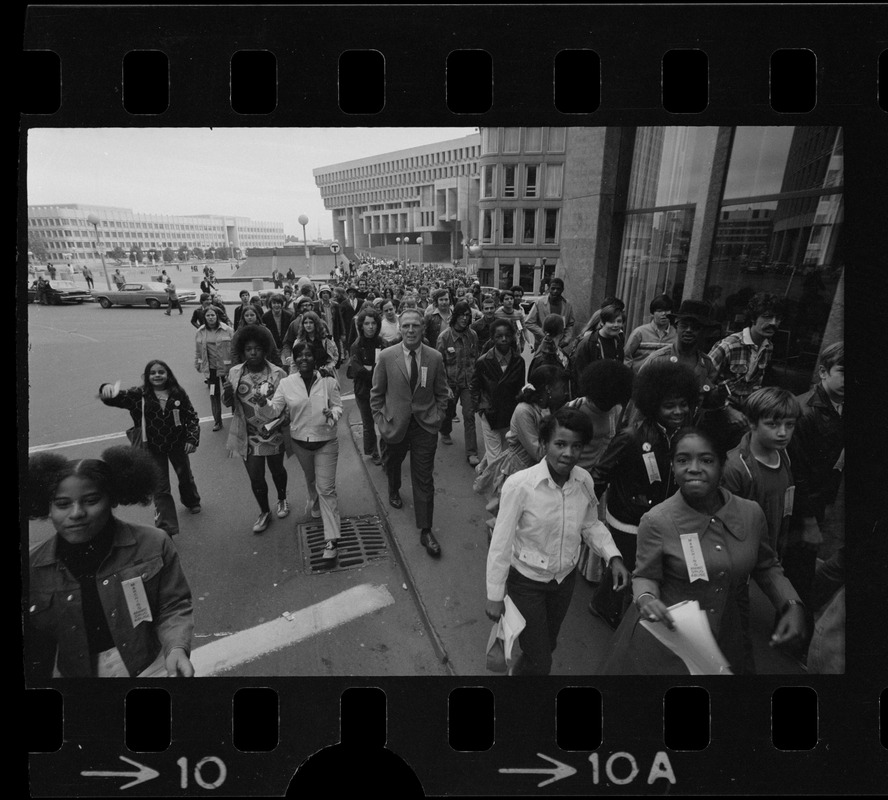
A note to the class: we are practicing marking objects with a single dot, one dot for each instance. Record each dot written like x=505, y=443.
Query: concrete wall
x=588, y=229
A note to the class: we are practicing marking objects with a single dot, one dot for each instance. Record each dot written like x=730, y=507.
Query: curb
x=400, y=557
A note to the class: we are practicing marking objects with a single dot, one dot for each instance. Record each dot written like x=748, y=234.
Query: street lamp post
x=303, y=221
x=419, y=242
x=398, y=242
x=93, y=220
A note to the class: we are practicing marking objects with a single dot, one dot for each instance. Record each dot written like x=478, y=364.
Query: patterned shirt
x=253, y=393
x=741, y=365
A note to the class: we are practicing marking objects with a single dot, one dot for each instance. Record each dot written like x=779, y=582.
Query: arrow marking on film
x=144, y=773
x=560, y=771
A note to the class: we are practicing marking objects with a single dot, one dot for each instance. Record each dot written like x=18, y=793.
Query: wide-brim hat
x=692, y=309
x=325, y=288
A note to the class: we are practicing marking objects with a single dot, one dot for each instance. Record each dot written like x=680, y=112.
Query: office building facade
x=63, y=232
x=385, y=203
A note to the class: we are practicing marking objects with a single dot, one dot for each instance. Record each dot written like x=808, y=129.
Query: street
x=260, y=606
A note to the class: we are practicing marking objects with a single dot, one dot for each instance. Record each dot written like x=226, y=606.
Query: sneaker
x=474, y=461
x=330, y=550
x=283, y=508
x=445, y=438
x=314, y=509
x=262, y=523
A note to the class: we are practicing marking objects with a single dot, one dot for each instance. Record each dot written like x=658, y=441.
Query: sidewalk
x=452, y=588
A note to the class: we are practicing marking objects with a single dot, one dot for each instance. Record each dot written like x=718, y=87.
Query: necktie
x=839, y=409
x=414, y=370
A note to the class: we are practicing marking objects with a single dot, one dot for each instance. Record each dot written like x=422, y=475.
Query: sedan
x=148, y=294
x=58, y=292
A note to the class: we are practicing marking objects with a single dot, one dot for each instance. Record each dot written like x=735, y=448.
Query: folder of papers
x=692, y=640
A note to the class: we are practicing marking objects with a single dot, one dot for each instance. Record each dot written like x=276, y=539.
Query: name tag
x=423, y=376
x=137, y=601
x=177, y=418
x=212, y=389
x=650, y=464
x=451, y=349
x=519, y=325
x=532, y=559
x=788, y=499
x=690, y=544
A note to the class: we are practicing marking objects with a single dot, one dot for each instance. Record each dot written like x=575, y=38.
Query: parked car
x=58, y=292
x=148, y=294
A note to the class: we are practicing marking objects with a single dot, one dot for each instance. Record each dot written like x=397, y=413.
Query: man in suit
x=409, y=402
x=347, y=311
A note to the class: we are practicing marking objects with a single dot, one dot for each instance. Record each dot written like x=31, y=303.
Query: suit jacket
x=346, y=316
x=391, y=401
x=269, y=322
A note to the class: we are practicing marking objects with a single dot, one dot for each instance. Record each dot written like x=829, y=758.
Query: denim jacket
x=56, y=629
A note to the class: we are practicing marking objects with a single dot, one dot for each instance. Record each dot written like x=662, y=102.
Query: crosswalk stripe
x=290, y=628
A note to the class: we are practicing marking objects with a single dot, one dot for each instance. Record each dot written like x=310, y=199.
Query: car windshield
x=62, y=284
x=132, y=287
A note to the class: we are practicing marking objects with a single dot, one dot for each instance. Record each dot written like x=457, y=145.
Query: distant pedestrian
x=52, y=271
x=213, y=358
x=87, y=273
x=173, y=298
x=119, y=280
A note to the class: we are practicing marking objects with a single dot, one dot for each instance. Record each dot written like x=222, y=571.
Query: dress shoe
x=429, y=542
x=474, y=461
x=194, y=509
x=217, y=426
x=376, y=458
x=445, y=438
x=395, y=500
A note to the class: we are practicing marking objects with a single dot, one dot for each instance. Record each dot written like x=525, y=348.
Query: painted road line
x=290, y=628
x=107, y=437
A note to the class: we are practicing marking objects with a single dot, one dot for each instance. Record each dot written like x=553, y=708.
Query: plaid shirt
x=740, y=365
x=460, y=351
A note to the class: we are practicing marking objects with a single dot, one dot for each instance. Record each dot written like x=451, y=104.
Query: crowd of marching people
x=657, y=464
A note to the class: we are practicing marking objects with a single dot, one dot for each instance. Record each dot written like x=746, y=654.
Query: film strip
x=391, y=66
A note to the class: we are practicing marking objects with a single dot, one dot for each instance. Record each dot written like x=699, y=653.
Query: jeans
x=422, y=446
x=370, y=442
x=319, y=467
x=465, y=400
x=544, y=607
x=255, y=466
x=494, y=439
x=215, y=380
x=165, y=516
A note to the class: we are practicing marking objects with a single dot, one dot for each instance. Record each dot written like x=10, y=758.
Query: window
x=489, y=140
x=487, y=182
x=533, y=140
x=557, y=138
x=511, y=140
x=550, y=231
x=508, y=226
x=529, y=235
x=486, y=226
x=554, y=173
x=509, y=180
x=530, y=180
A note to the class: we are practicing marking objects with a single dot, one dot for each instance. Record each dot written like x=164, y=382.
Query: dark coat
x=494, y=392
x=269, y=322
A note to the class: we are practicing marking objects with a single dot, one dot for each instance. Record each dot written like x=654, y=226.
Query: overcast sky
x=261, y=173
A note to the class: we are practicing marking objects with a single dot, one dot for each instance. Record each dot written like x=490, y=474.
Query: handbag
x=138, y=434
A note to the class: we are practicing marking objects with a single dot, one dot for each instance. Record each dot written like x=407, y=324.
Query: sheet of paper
x=692, y=640
x=513, y=624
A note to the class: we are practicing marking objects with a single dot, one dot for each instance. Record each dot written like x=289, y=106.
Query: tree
x=183, y=253
x=38, y=246
x=198, y=252
x=119, y=253
x=168, y=255
x=223, y=253
x=135, y=254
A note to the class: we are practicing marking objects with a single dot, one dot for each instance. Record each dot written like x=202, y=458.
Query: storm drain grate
x=361, y=539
